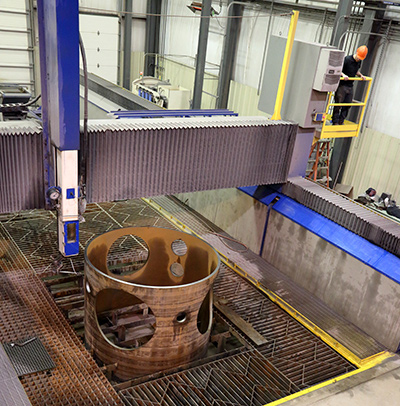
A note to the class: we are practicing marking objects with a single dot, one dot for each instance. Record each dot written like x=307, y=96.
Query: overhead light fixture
x=197, y=6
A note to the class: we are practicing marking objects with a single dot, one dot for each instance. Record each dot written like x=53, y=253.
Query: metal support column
x=59, y=67
x=341, y=23
x=339, y=28
x=372, y=23
x=228, y=53
x=201, y=54
x=152, y=43
x=126, y=74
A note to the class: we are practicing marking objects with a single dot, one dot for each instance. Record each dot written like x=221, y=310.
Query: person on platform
x=344, y=92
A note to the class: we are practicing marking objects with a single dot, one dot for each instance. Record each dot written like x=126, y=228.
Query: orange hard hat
x=362, y=52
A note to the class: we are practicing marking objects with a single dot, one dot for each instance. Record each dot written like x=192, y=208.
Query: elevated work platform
x=348, y=128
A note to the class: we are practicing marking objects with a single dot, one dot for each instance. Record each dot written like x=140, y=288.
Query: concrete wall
x=232, y=210
x=359, y=293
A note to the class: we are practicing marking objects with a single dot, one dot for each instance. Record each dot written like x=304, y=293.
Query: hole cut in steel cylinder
x=150, y=308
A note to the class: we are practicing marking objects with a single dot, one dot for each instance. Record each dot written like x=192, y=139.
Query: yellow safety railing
x=285, y=66
x=348, y=129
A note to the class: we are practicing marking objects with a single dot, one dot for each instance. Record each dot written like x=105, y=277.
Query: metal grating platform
x=35, y=233
x=244, y=379
x=28, y=356
x=314, y=309
x=27, y=309
x=291, y=348
x=292, y=359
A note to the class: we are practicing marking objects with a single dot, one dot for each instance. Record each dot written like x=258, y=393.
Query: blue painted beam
x=58, y=22
x=354, y=245
x=172, y=113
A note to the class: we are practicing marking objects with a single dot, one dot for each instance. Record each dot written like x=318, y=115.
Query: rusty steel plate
x=154, y=312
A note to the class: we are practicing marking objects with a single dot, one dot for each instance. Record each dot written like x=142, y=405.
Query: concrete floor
x=379, y=385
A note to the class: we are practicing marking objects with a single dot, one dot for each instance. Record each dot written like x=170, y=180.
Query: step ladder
x=318, y=161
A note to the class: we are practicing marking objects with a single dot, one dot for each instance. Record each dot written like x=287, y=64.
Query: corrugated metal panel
x=374, y=162
x=368, y=224
x=142, y=158
x=21, y=166
x=244, y=100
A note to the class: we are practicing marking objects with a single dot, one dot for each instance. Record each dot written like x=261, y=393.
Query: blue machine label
x=71, y=193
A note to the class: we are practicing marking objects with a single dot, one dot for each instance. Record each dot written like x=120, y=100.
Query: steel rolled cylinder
x=174, y=286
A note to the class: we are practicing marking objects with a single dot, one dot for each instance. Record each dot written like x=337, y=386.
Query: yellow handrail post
x=365, y=105
x=285, y=66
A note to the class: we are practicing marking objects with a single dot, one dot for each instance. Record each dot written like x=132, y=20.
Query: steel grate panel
x=243, y=379
x=28, y=356
x=289, y=340
x=29, y=310
x=314, y=309
x=292, y=359
x=355, y=217
x=35, y=233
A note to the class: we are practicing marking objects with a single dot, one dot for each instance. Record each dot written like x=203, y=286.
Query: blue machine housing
x=59, y=66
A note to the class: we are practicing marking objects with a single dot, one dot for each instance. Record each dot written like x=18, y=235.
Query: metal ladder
x=318, y=161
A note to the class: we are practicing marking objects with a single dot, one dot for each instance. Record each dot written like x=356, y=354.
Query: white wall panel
x=181, y=37
x=374, y=162
x=103, y=4
x=13, y=5
x=139, y=6
x=15, y=59
x=20, y=57
x=244, y=100
x=383, y=112
x=17, y=21
x=100, y=37
x=14, y=39
x=138, y=35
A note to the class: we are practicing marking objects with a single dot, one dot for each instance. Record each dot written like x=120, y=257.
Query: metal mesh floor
x=35, y=233
x=292, y=359
x=314, y=309
x=27, y=309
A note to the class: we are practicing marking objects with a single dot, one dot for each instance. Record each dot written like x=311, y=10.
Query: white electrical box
x=178, y=98
x=314, y=70
x=329, y=69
